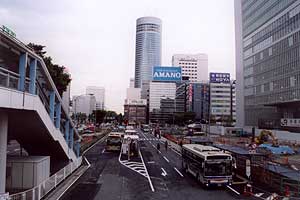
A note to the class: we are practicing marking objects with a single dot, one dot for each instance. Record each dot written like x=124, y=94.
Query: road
x=110, y=179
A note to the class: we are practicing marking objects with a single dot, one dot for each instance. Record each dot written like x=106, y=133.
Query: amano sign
x=160, y=73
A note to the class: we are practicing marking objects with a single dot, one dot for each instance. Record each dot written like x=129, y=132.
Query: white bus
x=130, y=145
x=208, y=164
x=114, y=141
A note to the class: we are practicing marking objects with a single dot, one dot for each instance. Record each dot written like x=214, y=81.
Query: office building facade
x=84, y=104
x=194, y=66
x=135, y=111
x=148, y=48
x=99, y=93
x=267, y=63
x=160, y=95
x=222, y=103
x=201, y=101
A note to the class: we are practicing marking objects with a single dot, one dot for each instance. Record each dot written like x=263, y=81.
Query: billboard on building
x=219, y=77
x=160, y=73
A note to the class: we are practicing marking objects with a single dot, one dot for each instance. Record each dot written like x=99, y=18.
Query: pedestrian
x=166, y=145
x=158, y=147
x=180, y=143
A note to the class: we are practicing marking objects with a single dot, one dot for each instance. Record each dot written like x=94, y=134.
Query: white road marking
x=103, y=150
x=166, y=159
x=258, y=194
x=164, y=173
x=17, y=150
x=151, y=162
x=233, y=190
x=178, y=172
x=175, y=152
x=100, y=140
x=159, y=151
x=149, y=179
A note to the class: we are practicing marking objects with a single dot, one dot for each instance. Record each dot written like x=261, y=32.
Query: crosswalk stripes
x=135, y=166
x=149, y=139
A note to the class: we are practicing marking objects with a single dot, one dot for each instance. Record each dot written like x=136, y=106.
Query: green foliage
x=60, y=78
x=79, y=117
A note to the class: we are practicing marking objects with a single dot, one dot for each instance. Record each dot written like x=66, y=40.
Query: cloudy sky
x=96, y=39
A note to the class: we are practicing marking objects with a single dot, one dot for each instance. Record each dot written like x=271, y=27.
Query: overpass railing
x=48, y=185
x=41, y=85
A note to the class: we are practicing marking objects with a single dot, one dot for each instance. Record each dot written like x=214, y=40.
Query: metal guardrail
x=48, y=185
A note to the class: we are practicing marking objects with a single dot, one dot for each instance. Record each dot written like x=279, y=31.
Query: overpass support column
x=52, y=104
x=32, y=76
x=67, y=126
x=58, y=114
x=71, y=143
x=3, y=148
x=22, y=71
x=77, y=148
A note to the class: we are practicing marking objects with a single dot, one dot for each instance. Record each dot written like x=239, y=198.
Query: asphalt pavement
x=111, y=178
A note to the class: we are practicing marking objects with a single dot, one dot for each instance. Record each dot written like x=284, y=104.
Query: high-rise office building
x=135, y=111
x=84, y=104
x=201, y=100
x=148, y=48
x=99, y=93
x=160, y=96
x=194, y=66
x=267, y=63
x=222, y=99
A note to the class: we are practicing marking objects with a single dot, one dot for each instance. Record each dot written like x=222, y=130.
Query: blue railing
x=48, y=94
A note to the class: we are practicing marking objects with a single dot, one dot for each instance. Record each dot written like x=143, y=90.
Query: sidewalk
x=59, y=191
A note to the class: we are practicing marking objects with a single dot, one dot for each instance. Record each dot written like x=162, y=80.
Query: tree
x=60, y=78
x=99, y=115
x=120, y=118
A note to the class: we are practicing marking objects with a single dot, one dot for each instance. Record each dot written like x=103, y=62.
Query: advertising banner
x=219, y=77
x=160, y=73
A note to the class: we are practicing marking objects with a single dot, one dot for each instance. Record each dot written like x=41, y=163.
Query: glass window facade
x=271, y=68
x=148, y=48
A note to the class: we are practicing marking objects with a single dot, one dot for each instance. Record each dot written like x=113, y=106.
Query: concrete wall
x=18, y=100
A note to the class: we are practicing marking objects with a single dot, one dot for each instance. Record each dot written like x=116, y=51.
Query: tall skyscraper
x=148, y=48
x=99, y=93
x=267, y=63
x=194, y=66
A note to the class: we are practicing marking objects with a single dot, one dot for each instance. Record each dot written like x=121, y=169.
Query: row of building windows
x=187, y=63
x=189, y=67
x=188, y=70
x=283, y=53
x=272, y=98
x=148, y=27
x=263, y=14
x=278, y=29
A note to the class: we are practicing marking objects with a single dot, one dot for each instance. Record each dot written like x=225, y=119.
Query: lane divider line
x=166, y=159
x=233, y=190
x=178, y=172
x=100, y=140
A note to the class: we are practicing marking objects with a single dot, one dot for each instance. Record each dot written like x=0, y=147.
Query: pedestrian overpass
x=31, y=109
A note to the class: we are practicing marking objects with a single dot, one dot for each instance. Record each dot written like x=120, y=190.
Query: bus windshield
x=113, y=140
x=218, y=168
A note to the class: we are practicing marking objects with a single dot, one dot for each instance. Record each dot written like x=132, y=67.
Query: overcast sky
x=96, y=39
